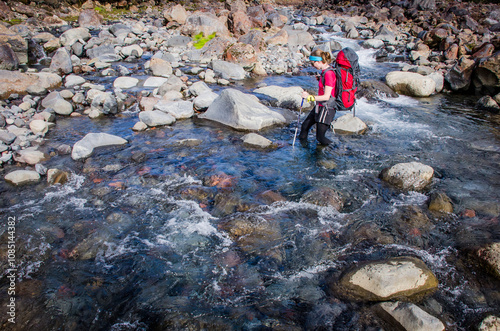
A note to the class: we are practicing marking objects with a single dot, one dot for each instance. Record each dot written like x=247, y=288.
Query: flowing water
x=147, y=244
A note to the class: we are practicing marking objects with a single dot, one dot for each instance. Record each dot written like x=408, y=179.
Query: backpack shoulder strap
x=323, y=74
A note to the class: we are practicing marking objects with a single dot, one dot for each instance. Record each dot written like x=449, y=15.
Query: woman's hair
x=325, y=56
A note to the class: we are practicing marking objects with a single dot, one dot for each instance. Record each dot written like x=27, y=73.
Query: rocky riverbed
x=59, y=63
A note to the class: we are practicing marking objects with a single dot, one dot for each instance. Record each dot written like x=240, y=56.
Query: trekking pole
x=298, y=121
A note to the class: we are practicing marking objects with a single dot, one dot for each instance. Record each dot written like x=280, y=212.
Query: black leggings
x=321, y=129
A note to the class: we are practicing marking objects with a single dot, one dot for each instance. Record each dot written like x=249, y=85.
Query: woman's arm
x=324, y=97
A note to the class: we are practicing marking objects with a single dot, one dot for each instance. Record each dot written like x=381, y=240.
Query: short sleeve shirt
x=330, y=80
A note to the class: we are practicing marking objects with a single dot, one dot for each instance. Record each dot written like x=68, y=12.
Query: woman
x=321, y=115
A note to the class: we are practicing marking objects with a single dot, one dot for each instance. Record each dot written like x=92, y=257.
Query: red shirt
x=330, y=80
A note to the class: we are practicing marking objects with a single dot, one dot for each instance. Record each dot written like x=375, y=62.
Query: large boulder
x=8, y=59
x=21, y=83
x=241, y=111
x=408, y=176
x=17, y=43
x=405, y=278
x=488, y=72
x=410, y=83
x=460, y=76
x=283, y=97
x=349, y=124
x=84, y=147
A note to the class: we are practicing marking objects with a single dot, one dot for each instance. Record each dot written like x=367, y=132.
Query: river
x=141, y=245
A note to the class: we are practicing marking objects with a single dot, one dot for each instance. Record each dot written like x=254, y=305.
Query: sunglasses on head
x=313, y=58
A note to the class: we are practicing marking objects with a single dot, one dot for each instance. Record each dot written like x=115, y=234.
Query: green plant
x=200, y=40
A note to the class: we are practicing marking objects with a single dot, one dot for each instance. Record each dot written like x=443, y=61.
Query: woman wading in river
x=320, y=115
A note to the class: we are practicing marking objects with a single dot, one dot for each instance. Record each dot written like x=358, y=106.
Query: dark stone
x=8, y=59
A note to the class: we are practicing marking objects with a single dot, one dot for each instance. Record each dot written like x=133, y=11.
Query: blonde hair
x=325, y=56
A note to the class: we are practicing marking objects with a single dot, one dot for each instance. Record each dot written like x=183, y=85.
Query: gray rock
x=125, y=82
x=173, y=83
x=7, y=137
x=156, y=118
x=84, y=147
x=348, y=124
x=241, y=111
x=256, y=140
x=105, y=102
x=178, y=109
x=228, y=70
x=155, y=81
x=62, y=107
x=71, y=36
x=199, y=88
x=204, y=100
x=8, y=59
x=408, y=316
x=61, y=61
x=73, y=80
x=284, y=97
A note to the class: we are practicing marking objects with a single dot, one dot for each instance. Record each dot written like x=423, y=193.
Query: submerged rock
x=323, y=196
x=410, y=83
x=241, y=111
x=256, y=140
x=255, y=235
x=405, y=278
x=85, y=147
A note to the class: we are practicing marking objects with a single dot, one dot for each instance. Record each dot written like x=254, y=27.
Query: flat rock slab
x=85, y=147
x=407, y=316
x=22, y=177
x=403, y=277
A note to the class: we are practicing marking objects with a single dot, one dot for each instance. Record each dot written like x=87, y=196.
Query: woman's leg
x=306, y=125
x=320, y=134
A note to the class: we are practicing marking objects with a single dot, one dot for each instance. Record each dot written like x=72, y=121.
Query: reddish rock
x=485, y=50
x=452, y=52
x=242, y=54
